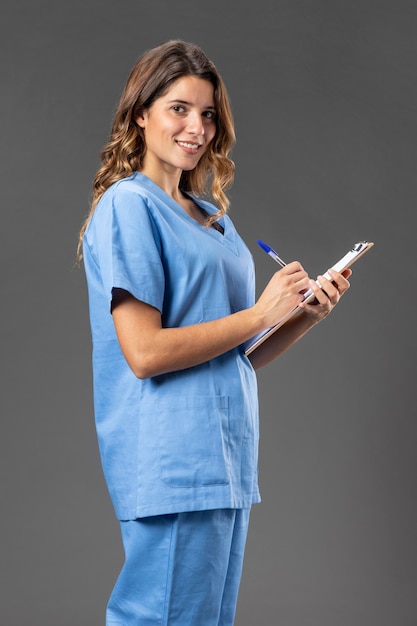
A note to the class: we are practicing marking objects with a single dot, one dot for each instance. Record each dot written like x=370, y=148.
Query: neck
x=167, y=181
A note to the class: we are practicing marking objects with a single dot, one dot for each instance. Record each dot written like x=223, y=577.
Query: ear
x=141, y=119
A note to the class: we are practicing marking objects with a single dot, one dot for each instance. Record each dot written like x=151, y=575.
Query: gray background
x=324, y=96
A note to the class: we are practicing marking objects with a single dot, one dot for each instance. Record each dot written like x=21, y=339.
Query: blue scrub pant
x=182, y=569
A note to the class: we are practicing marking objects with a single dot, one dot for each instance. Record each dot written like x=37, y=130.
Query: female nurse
x=171, y=299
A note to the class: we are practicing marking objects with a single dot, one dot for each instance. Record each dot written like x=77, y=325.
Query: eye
x=210, y=115
x=178, y=108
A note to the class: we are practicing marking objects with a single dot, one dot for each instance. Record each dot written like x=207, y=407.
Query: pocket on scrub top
x=193, y=434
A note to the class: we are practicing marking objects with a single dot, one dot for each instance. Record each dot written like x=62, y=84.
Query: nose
x=195, y=124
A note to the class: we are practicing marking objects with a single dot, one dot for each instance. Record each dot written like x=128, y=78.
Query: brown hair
x=150, y=79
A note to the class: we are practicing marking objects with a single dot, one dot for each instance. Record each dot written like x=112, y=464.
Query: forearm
x=310, y=315
x=154, y=351
x=281, y=340
x=151, y=349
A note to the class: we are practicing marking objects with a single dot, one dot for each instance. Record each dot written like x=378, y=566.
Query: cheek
x=162, y=126
x=172, y=129
x=210, y=134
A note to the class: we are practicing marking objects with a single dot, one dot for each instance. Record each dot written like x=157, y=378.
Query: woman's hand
x=282, y=293
x=327, y=295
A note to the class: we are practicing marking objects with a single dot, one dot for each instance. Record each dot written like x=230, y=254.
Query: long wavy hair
x=150, y=78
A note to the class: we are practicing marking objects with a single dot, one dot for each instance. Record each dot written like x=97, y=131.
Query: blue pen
x=274, y=255
x=271, y=252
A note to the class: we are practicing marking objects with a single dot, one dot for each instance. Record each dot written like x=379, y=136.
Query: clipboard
x=356, y=252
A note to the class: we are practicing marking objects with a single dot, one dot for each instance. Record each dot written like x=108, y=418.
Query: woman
x=171, y=293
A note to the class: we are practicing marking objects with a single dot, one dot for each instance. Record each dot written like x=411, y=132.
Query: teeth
x=191, y=146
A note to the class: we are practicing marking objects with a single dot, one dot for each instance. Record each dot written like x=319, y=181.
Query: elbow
x=141, y=373
x=144, y=366
x=142, y=370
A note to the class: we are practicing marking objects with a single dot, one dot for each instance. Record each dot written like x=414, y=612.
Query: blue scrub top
x=187, y=440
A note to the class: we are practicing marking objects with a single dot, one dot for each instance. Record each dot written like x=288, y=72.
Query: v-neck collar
x=229, y=233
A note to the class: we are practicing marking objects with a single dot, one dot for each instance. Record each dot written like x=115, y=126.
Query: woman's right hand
x=282, y=293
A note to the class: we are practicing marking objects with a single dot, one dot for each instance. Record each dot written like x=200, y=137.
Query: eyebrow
x=190, y=103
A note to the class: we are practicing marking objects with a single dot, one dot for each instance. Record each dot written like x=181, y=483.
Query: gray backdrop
x=324, y=95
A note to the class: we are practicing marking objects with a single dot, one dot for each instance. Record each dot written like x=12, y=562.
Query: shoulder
x=125, y=199
x=125, y=213
x=125, y=189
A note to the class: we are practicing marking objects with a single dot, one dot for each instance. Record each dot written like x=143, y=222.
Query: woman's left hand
x=327, y=295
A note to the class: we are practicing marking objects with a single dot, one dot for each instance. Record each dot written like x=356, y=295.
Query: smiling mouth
x=188, y=145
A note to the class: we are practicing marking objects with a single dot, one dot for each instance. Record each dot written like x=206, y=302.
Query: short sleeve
x=125, y=243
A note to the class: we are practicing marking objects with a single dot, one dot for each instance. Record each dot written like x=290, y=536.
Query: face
x=179, y=127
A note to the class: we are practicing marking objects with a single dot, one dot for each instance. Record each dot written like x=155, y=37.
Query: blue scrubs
x=187, y=440
x=181, y=569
